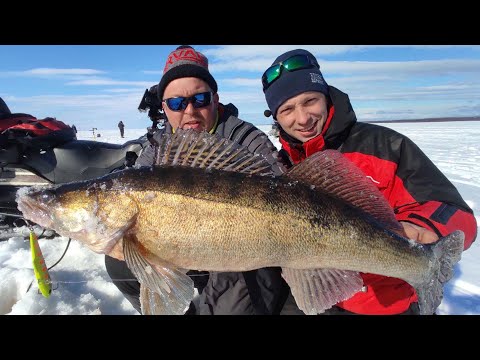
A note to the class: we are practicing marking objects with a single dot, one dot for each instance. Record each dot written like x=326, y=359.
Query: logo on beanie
x=317, y=78
x=183, y=56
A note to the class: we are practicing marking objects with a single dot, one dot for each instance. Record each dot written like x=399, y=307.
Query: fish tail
x=446, y=253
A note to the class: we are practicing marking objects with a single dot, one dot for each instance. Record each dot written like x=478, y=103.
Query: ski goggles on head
x=296, y=62
x=198, y=101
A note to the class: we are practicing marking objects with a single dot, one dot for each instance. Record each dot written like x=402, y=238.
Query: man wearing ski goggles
x=312, y=117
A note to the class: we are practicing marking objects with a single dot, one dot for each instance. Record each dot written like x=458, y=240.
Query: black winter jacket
x=261, y=291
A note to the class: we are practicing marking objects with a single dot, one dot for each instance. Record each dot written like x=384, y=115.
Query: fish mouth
x=33, y=211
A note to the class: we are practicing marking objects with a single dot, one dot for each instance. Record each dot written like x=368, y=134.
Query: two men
x=311, y=116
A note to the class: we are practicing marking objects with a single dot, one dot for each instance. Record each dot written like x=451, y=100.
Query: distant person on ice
x=121, y=126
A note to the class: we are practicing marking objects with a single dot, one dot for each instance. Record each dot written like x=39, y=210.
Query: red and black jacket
x=415, y=188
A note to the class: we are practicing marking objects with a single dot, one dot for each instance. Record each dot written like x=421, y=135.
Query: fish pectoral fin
x=316, y=290
x=164, y=289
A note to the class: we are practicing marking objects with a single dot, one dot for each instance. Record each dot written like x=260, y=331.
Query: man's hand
x=419, y=234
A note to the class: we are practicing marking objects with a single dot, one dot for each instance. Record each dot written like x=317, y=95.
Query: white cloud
x=401, y=68
x=450, y=87
x=99, y=110
x=269, y=51
x=417, y=111
x=242, y=82
x=403, y=85
x=254, y=96
x=124, y=90
x=272, y=51
x=51, y=72
x=386, y=68
x=92, y=101
x=99, y=81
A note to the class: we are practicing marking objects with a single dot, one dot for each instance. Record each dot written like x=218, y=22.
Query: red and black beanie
x=185, y=61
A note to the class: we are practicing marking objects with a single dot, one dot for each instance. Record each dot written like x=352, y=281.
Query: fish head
x=96, y=213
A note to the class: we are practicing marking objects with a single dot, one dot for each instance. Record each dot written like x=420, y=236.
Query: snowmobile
x=42, y=152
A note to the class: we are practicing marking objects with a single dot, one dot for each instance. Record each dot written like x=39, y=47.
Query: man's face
x=200, y=119
x=304, y=115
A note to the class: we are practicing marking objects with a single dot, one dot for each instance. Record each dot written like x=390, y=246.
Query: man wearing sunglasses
x=313, y=116
x=189, y=98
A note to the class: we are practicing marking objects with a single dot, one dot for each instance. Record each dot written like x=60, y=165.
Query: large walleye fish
x=209, y=204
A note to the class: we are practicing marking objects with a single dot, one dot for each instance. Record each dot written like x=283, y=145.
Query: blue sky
x=98, y=85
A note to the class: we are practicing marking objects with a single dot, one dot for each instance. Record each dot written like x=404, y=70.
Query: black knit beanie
x=293, y=83
x=185, y=61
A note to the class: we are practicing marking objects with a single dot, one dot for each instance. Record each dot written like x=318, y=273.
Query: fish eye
x=48, y=195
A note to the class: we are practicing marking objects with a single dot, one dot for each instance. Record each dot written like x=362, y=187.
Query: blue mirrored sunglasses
x=180, y=103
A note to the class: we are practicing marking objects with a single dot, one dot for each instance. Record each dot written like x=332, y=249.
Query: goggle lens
x=296, y=62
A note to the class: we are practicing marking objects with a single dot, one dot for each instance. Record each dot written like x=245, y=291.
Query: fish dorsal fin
x=331, y=172
x=210, y=151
